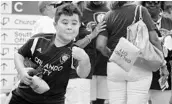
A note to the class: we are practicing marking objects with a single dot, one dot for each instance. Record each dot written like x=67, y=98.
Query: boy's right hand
x=25, y=78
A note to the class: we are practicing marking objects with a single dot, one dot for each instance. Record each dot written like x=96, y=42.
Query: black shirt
x=55, y=74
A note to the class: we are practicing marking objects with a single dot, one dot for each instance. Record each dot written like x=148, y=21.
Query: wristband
x=88, y=37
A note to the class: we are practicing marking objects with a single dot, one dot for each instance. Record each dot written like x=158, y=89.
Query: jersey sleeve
x=25, y=50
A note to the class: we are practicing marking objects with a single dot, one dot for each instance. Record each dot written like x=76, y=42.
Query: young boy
x=56, y=72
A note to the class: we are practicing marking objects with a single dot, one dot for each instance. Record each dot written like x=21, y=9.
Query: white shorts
x=78, y=91
x=99, y=88
x=128, y=87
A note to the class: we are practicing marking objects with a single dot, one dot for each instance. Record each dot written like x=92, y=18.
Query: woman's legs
x=128, y=87
x=117, y=92
x=137, y=91
x=117, y=84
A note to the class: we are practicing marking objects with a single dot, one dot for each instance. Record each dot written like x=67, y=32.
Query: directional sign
x=6, y=6
x=15, y=36
x=7, y=82
x=3, y=65
x=5, y=20
x=25, y=7
x=18, y=21
x=7, y=51
x=3, y=5
x=8, y=67
x=4, y=51
x=3, y=81
x=3, y=36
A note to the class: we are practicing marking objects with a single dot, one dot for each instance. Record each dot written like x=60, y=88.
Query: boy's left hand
x=79, y=53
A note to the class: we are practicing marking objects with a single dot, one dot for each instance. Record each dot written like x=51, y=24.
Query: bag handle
x=135, y=14
x=140, y=17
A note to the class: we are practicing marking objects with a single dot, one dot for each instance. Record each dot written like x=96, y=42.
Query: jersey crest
x=97, y=18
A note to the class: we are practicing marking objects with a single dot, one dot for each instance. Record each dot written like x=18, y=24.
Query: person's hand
x=79, y=53
x=163, y=71
x=164, y=32
x=164, y=74
x=99, y=28
x=25, y=78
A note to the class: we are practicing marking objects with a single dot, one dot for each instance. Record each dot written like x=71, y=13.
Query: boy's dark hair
x=67, y=9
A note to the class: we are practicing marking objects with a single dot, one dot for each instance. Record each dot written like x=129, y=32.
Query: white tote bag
x=150, y=58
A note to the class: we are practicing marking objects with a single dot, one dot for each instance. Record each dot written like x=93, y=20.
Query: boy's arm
x=24, y=51
x=19, y=64
x=84, y=65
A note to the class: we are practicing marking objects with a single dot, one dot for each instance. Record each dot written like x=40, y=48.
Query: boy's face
x=67, y=27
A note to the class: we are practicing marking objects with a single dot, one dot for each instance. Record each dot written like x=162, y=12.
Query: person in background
x=164, y=25
x=168, y=9
x=47, y=10
x=55, y=73
x=99, y=90
x=78, y=89
x=81, y=5
x=125, y=87
x=45, y=23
